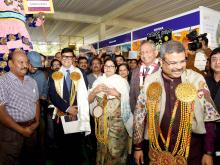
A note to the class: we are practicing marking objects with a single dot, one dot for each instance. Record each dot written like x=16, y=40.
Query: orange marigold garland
x=75, y=76
x=57, y=75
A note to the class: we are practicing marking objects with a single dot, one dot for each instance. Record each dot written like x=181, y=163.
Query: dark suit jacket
x=57, y=101
x=134, y=88
x=212, y=87
x=85, y=77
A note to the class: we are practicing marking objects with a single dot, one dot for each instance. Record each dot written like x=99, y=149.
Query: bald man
x=19, y=113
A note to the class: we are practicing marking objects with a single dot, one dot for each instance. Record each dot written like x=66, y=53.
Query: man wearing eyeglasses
x=175, y=112
x=149, y=65
x=68, y=93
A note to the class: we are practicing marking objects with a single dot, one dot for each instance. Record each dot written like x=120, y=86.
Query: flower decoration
x=8, y=2
x=186, y=92
x=5, y=57
x=75, y=76
x=57, y=75
x=153, y=155
x=12, y=37
x=3, y=40
x=180, y=160
x=166, y=158
x=3, y=64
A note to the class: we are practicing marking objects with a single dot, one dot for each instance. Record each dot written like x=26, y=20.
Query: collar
x=63, y=69
x=96, y=76
x=170, y=80
x=14, y=77
x=156, y=62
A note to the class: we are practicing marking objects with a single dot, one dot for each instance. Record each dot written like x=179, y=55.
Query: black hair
x=126, y=65
x=109, y=59
x=54, y=60
x=206, y=40
x=67, y=50
x=82, y=58
x=96, y=58
x=116, y=56
x=134, y=60
x=215, y=51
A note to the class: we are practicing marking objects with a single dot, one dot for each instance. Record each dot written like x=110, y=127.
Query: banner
x=181, y=22
x=161, y=36
x=115, y=40
x=38, y=6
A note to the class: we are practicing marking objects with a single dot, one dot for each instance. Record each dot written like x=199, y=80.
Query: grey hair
x=150, y=42
x=170, y=47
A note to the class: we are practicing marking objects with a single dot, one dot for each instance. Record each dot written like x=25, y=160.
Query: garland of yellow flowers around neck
x=101, y=123
x=74, y=76
x=186, y=94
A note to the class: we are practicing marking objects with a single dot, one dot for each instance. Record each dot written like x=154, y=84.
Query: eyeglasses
x=109, y=67
x=174, y=63
x=67, y=57
x=214, y=59
x=55, y=65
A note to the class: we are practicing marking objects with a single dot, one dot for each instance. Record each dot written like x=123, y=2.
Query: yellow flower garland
x=57, y=75
x=186, y=94
x=75, y=76
x=102, y=137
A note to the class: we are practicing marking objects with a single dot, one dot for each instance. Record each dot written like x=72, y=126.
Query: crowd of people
x=108, y=110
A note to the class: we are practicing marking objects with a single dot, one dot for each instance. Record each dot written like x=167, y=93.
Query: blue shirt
x=42, y=82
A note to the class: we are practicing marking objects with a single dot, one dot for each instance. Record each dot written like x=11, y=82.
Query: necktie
x=68, y=81
x=146, y=70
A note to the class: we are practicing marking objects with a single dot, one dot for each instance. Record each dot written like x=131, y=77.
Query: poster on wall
x=210, y=24
x=163, y=30
x=181, y=36
x=160, y=36
x=38, y=6
x=110, y=50
x=114, y=45
x=125, y=48
x=136, y=45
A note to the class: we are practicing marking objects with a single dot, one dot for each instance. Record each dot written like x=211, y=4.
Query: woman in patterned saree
x=109, y=98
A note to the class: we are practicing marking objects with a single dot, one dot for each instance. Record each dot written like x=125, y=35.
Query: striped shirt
x=19, y=98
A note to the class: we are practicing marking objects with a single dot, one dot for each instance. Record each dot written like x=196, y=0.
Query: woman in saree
x=109, y=99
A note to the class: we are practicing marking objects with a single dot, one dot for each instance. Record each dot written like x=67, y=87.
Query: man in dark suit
x=149, y=65
x=68, y=93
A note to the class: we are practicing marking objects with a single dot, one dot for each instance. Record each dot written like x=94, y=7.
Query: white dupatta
x=83, y=123
x=122, y=86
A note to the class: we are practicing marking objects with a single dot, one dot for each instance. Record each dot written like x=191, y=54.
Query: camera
x=195, y=40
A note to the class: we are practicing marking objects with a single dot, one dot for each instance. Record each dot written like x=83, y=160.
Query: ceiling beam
x=109, y=17
x=74, y=17
x=88, y=30
x=125, y=23
x=122, y=9
x=116, y=22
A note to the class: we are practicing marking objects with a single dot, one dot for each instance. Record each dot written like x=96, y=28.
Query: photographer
x=198, y=52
